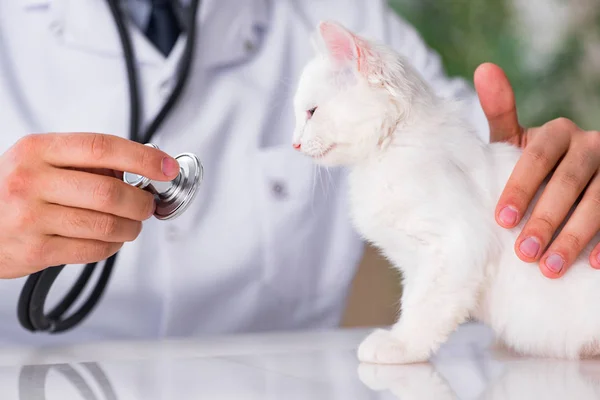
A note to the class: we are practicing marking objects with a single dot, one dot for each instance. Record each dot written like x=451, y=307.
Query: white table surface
x=314, y=365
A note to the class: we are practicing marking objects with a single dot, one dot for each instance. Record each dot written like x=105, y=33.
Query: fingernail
x=555, y=263
x=508, y=216
x=530, y=247
x=170, y=167
x=598, y=258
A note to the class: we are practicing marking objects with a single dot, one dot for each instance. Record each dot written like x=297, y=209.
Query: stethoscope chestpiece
x=174, y=197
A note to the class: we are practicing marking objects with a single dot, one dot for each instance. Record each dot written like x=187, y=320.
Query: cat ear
x=340, y=43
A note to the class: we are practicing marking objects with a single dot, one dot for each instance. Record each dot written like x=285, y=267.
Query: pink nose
x=296, y=146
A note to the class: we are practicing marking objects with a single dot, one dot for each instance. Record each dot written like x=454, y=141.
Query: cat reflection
x=519, y=379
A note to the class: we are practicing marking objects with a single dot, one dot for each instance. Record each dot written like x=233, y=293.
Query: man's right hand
x=63, y=200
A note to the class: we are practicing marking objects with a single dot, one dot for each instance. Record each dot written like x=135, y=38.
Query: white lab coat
x=266, y=245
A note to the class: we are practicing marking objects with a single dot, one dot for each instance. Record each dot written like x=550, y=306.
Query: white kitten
x=423, y=189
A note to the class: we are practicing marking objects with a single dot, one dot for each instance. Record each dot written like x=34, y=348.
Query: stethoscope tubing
x=30, y=308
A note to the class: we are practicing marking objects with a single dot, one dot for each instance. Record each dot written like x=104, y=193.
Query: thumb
x=497, y=100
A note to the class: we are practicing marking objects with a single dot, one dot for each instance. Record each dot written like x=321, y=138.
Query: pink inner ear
x=340, y=43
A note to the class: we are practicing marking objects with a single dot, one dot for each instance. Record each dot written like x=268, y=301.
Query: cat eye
x=310, y=112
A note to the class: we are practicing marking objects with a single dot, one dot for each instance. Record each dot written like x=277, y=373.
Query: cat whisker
x=321, y=179
x=331, y=180
x=314, y=180
x=323, y=153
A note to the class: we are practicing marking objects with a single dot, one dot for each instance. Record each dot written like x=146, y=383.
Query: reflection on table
x=291, y=366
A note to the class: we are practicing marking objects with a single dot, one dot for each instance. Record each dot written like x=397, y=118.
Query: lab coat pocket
x=296, y=201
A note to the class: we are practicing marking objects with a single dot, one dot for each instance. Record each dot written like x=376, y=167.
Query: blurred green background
x=549, y=49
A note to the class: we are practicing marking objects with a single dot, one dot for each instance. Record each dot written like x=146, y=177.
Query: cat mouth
x=325, y=152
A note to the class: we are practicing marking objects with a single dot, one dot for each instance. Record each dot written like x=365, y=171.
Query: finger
x=87, y=224
x=576, y=235
x=95, y=192
x=89, y=150
x=558, y=197
x=595, y=255
x=533, y=167
x=497, y=100
x=57, y=250
x=101, y=171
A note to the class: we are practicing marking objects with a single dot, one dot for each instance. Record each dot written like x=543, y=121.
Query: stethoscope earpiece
x=174, y=197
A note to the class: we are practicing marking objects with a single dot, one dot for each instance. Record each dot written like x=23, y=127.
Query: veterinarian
x=263, y=246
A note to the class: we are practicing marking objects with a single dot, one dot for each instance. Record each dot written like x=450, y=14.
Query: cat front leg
x=438, y=296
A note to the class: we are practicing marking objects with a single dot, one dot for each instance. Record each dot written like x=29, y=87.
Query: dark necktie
x=163, y=27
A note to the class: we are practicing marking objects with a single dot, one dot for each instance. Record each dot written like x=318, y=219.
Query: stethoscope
x=172, y=198
x=33, y=378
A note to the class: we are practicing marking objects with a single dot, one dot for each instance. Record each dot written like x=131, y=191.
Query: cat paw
x=381, y=347
x=415, y=381
x=376, y=377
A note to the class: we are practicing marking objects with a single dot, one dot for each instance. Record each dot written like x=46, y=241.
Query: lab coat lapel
x=229, y=31
x=88, y=25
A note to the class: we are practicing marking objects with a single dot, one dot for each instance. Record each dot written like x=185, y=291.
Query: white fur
x=515, y=380
x=423, y=189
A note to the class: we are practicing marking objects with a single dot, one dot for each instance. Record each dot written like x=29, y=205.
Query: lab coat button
x=279, y=189
x=56, y=27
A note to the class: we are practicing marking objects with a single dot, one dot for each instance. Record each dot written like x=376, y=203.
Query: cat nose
x=296, y=146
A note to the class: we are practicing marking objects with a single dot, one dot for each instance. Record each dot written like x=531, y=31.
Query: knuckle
x=570, y=180
x=73, y=182
x=99, y=146
x=106, y=193
x=145, y=157
x=517, y=195
x=592, y=142
x=106, y=225
x=539, y=155
x=595, y=200
x=17, y=183
x=571, y=241
x=27, y=145
x=78, y=222
x=543, y=223
x=23, y=219
x=90, y=252
x=563, y=124
x=36, y=252
x=75, y=220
